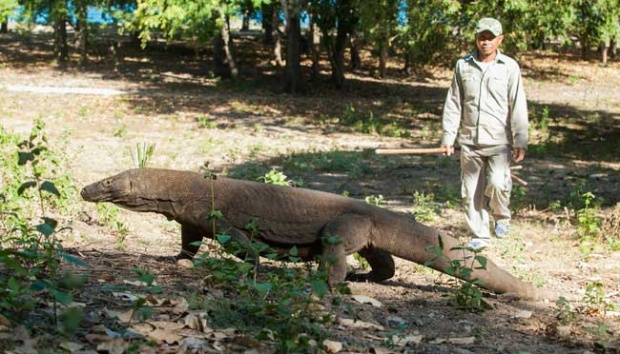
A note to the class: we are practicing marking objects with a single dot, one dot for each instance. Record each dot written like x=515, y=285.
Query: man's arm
x=518, y=110
x=451, y=118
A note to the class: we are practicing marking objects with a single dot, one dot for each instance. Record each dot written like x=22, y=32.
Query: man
x=486, y=106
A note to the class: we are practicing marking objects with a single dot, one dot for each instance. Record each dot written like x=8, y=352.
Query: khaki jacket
x=489, y=107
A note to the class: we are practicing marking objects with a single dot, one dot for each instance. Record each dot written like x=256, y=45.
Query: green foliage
x=276, y=177
x=588, y=224
x=30, y=240
x=375, y=200
x=424, y=206
x=335, y=161
x=565, y=311
x=281, y=306
x=144, y=153
x=425, y=36
x=466, y=292
x=109, y=215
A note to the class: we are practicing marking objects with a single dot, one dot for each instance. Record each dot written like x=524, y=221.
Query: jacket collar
x=499, y=58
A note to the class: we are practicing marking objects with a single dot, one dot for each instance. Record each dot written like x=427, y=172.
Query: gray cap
x=489, y=24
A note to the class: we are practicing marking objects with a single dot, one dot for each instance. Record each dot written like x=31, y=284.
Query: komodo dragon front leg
x=191, y=236
x=352, y=233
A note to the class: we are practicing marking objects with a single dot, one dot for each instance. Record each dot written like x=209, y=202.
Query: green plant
x=565, y=311
x=279, y=304
x=518, y=200
x=109, y=216
x=144, y=153
x=30, y=246
x=425, y=208
x=588, y=224
x=121, y=132
x=206, y=123
x=276, y=177
x=375, y=200
x=466, y=292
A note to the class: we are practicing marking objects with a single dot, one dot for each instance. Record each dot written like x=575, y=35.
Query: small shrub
x=466, y=292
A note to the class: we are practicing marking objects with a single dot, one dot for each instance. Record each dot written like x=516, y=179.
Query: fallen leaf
x=114, y=346
x=193, y=344
x=462, y=340
x=362, y=299
x=126, y=296
x=180, y=306
x=28, y=344
x=162, y=335
x=198, y=322
x=522, y=314
x=403, y=341
x=167, y=325
x=382, y=350
x=347, y=322
x=71, y=346
x=93, y=338
x=135, y=282
x=332, y=346
x=122, y=316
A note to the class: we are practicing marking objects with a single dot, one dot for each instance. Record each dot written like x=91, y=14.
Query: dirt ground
x=98, y=115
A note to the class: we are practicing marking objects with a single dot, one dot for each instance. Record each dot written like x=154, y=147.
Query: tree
x=7, y=8
x=597, y=23
x=425, y=34
x=378, y=21
x=206, y=20
x=292, y=14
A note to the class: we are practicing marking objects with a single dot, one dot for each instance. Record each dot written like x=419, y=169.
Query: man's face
x=488, y=43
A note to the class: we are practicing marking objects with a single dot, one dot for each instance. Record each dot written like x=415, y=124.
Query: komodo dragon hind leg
x=381, y=264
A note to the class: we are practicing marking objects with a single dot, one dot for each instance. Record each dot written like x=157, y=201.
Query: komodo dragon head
x=144, y=190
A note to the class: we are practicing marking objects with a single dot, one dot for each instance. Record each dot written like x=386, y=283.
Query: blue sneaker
x=502, y=228
x=479, y=243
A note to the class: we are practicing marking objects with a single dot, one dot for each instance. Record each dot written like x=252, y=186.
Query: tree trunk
x=315, y=45
x=383, y=57
x=268, y=21
x=605, y=44
x=293, y=80
x=585, y=47
x=225, y=64
x=82, y=31
x=4, y=27
x=356, y=60
x=345, y=27
x=245, y=23
x=61, y=47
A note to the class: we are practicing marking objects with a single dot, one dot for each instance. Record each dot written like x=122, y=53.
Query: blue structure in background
x=94, y=15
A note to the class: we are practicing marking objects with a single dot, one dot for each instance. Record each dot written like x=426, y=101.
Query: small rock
x=332, y=346
x=522, y=314
x=395, y=321
x=563, y=331
x=362, y=299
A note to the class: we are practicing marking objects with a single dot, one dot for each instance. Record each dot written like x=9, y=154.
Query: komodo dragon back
x=290, y=217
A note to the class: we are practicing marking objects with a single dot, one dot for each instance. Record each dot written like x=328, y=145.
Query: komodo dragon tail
x=419, y=241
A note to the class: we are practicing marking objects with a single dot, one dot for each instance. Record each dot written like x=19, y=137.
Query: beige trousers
x=486, y=186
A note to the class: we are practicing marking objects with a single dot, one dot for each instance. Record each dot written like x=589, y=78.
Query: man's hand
x=518, y=154
x=449, y=150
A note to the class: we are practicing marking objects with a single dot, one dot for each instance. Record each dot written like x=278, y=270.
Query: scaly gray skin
x=288, y=217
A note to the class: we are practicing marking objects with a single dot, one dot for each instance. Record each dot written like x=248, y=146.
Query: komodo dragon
x=290, y=217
